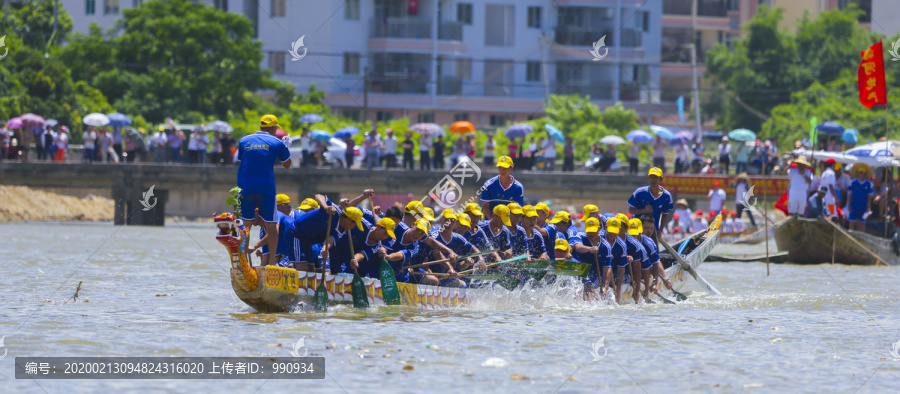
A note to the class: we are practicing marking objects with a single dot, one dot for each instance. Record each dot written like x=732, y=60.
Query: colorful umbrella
x=51, y=122
x=850, y=136
x=742, y=135
x=462, y=127
x=320, y=135
x=427, y=128
x=681, y=137
x=220, y=126
x=662, y=132
x=519, y=130
x=881, y=148
x=555, y=133
x=118, y=119
x=346, y=132
x=33, y=120
x=311, y=118
x=830, y=128
x=96, y=119
x=612, y=140
x=639, y=136
x=279, y=133
x=14, y=123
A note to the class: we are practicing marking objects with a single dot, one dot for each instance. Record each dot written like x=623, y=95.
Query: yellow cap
x=589, y=209
x=542, y=207
x=635, y=227
x=592, y=225
x=623, y=218
x=424, y=225
x=655, y=171
x=141, y=130
x=530, y=212
x=464, y=220
x=161, y=128
x=612, y=225
x=474, y=209
x=561, y=216
x=515, y=208
x=449, y=214
x=505, y=162
x=268, y=120
x=503, y=212
x=282, y=199
x=388, y=225
x=309, y=204
x=562, y=244
x=838, y=166
x=429, y=213
x=355, y=214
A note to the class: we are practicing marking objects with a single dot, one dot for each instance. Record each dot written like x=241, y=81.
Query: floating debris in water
x=777, y=340
x=409, y=368
x=752, y=385
x=432, y=347
x=163, y=295
x=518, y=377
x=495, y=362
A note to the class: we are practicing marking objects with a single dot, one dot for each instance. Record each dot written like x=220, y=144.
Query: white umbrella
x=612, y=140
x=874, y=161
x=96, y=119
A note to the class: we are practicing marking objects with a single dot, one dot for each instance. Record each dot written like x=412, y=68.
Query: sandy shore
x=21, y=203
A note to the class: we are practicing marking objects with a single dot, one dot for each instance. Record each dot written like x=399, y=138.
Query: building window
x=498, y=120
x=534, y=17
x=425, y=117
x=351, y=9
x=111, y=7
x=646, y=21
x=461, y=116
x=384, y=116
x=499, y=25
x=136, y=3
x=221, y=4
x=464, y=68
x=533, y=71
x=89, y=7
x=276, y=62
x=464, y=13
x=351, y=63
x=352, y=114
x=279, y=8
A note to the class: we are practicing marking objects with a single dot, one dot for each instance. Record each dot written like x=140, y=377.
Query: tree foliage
x=32, y=22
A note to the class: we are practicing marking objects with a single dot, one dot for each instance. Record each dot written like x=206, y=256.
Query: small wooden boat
x=815, y=241
x=776, y=258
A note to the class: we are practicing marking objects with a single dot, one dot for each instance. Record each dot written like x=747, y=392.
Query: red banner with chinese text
x=870, y=77
x=696, y=184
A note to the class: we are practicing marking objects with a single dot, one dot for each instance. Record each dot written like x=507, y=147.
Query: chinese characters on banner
x=872, y=88
x=691, y=184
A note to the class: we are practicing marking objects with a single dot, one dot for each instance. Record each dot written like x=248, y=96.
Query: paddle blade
x=389, y=291
x=320, y=299
x=508, y=282
x=679, y=296
x=358, y=290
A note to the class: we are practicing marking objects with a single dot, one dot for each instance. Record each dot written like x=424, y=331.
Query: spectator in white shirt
x=424, y=152
x=724, y=156
x=90, y=138
x=488, y=151
x=549, y=148
x=659, y=154
x=634, y=152
x=390, y=149
x=684, y=213
x=741, y=194
x=716, y=197
x=682, y=158
x=158, y=145
x=829, y=181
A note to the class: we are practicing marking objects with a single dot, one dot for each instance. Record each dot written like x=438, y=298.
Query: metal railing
x=677, y=7
x=451, y=31
x=632, y=38
x=718, y=8
x=398, y=85
x=582, y=36
x=449, y=86
x=400, y=28
x=596, y=91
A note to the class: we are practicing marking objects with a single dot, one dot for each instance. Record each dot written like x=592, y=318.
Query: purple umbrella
x=14, y=123
x=519, y=130
x=32, y=119
x=681, y=137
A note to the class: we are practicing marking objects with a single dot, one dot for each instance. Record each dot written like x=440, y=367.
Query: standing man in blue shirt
x=503, y=188
x=652, y=199
x=257, y=154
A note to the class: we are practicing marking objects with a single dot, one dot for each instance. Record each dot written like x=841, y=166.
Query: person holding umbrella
x=390, y=149
x=724, y=156
x=548, y=146
x=158, y=145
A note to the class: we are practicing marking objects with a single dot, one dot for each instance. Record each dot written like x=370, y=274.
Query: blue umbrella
x=876, y=149
x=830, y=128
x=519, y=130
x=51, y=122
x=311, y=118
x=850, y=136
x=555, y=133
x=662, y=132
x=118, y=120
x=320, y=135
x=639, y=136
x=681, y=137
x=346, y=132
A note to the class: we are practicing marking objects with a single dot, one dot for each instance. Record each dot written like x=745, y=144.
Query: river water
x=150, y=291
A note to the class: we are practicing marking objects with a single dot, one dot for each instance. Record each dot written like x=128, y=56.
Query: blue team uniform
x=535, y=244
x=479, y=239
x=650, y=250
x=257, y=154
x=619, y=255
x=310, y=228
x=500, y=241
x=493, y=190
x=550, y=238
x=518, y=241
x=339, y=256
x=662, y=205
x=859, y=193
x=458, y=245
x=603, y=256
x=635, y=249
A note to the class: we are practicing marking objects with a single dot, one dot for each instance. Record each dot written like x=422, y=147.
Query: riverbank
x=22, y=203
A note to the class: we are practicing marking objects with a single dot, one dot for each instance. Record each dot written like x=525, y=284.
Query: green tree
x=33, y=22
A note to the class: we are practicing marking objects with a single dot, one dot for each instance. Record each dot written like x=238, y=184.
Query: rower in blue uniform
x=533, y=238
x=640, y=267
x=590, y=248
x=503, y=188
x=653, y=199
x=619, y=257
x=497, y=231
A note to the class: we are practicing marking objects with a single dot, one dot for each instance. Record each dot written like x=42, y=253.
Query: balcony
x=677, y=7
x=450, y=31
x=400, y=28
x=596, y=91
x=630, y=91
x=714, y=8
x=449, y=86
x=398, y=85
x=632, y=38
x=580, y=36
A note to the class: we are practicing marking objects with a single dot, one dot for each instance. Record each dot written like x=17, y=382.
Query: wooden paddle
x=687, y=267
x=357, y=288
x=446, y=260
x=509, y=260
x=320, y=299
x=389, y=291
